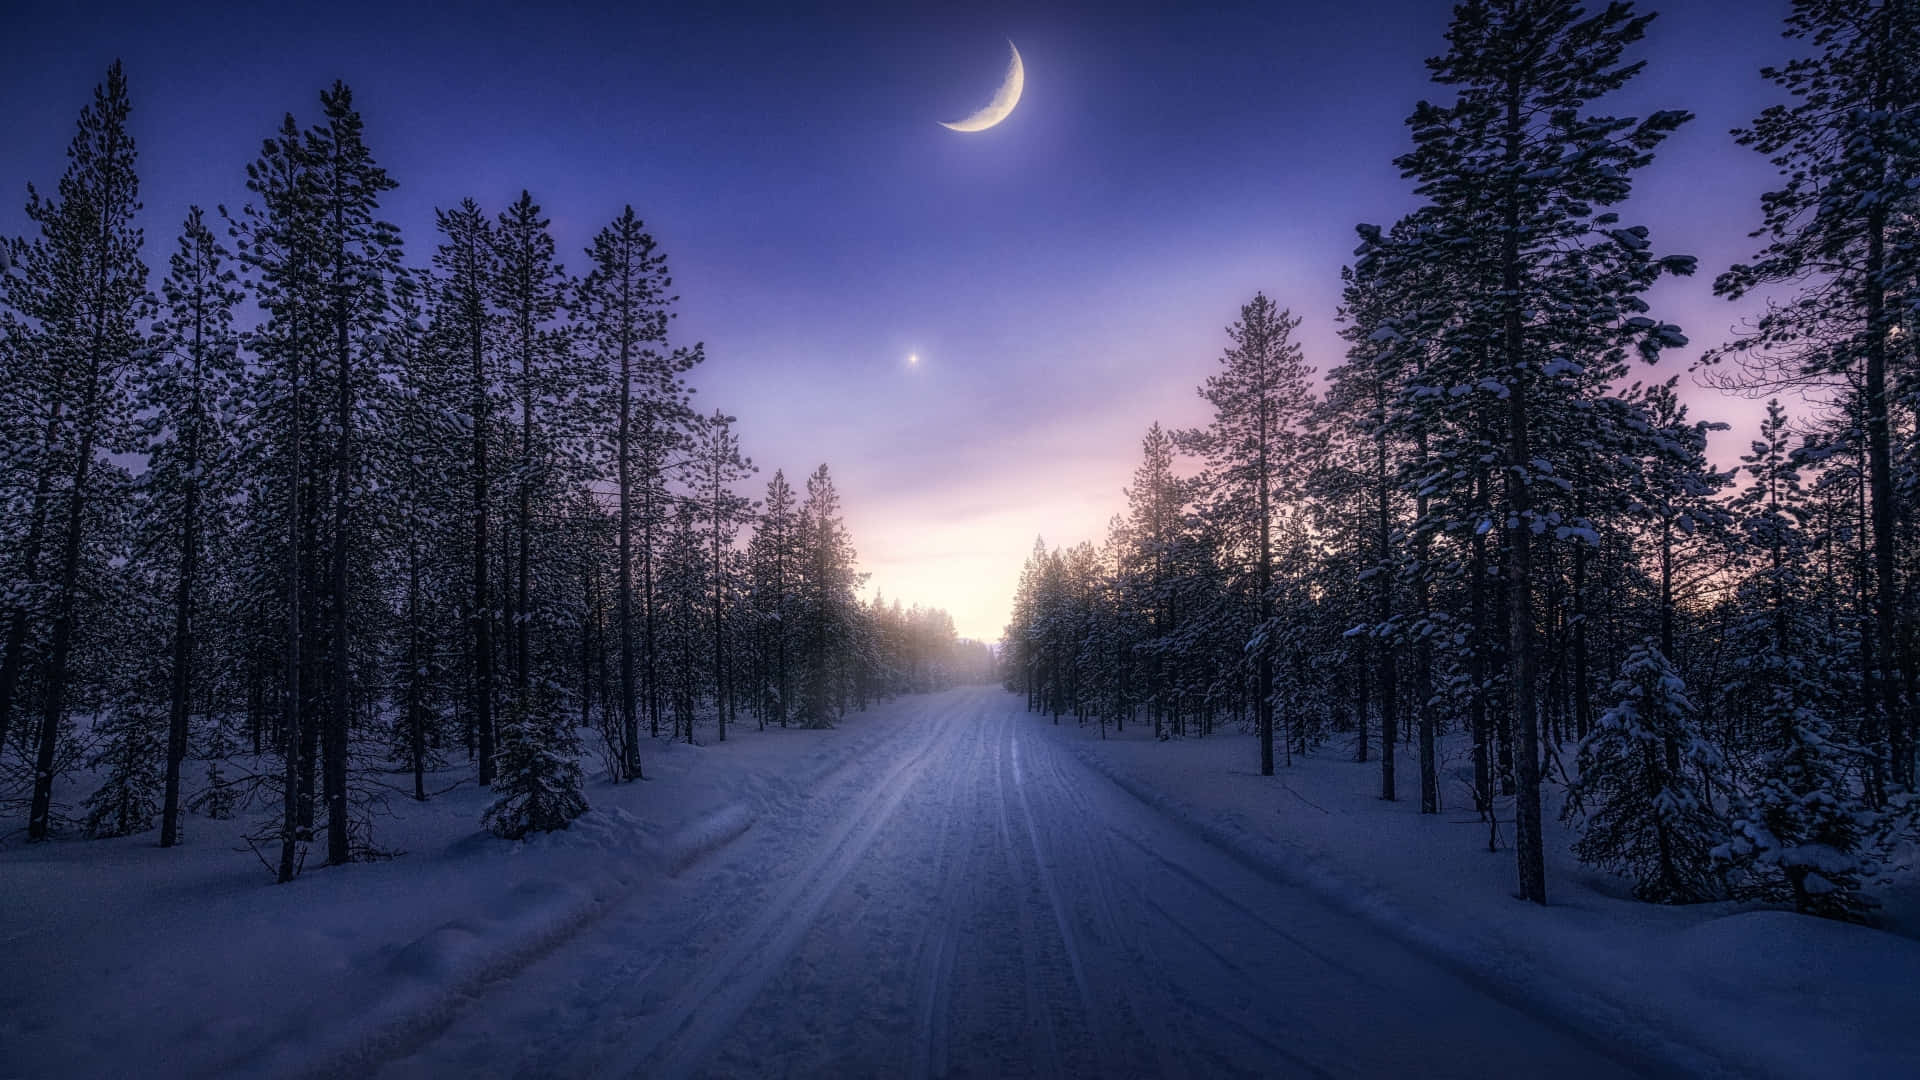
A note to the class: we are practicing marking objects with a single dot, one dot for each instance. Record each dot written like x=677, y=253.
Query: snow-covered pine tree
x=464, y=327
x=1149, y=567
x=420, y=504
x=357, y=260
x=1798, y=834
x=1675, y=492
x=274, y=238
x=183, y=396
x=1260, y=401
x=1363, y=401
x=1342, y=488
x=1638, y=814
x=659, y=440
x=1122, y=627
x=683, y=605
x=528, y=289
x=713, y=469
x=216, y=798
x=82, y=287
x=538, y=787
x=1841, y=220
x=625, y=307
x=130, y=751
x=1515, y=173
x=121, y=679
x=773, y=559
x=827, y=600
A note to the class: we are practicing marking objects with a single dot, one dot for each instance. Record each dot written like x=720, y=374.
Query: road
x=966, y=898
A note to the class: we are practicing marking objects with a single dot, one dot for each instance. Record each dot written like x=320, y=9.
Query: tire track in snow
x=579, y=1004
x=1048, y=1048
x=1240, y=983
x=1063, y=921
x=681, y=1034
x=938, y=953
x=1215, y=860
x=1142, y=971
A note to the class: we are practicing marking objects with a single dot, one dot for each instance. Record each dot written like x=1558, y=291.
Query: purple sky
x=1064, y=277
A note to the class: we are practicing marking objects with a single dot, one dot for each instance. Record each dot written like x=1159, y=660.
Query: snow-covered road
x=965, y=897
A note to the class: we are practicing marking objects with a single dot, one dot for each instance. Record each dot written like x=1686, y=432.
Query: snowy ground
x=115, y=953
x=943, y=886
x=1711, y=988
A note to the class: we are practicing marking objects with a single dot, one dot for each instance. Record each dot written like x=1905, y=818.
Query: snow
x=1715, y=989
x=972, y=900
x=945, y=885
x=120, y=952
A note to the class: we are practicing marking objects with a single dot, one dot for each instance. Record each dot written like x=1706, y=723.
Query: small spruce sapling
x=538, y=774
x=1643, y=807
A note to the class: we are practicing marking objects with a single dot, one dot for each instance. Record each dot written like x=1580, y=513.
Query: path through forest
x=967, y=898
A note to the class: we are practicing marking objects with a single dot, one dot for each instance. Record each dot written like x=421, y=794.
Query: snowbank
x=124, y=956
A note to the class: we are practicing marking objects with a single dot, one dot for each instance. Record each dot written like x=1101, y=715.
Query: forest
x=1484, y=522
x=432, y=642
x=314, y=517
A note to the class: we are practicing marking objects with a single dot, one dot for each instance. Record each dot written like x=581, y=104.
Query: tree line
x=317, y=516
x=1481, y=523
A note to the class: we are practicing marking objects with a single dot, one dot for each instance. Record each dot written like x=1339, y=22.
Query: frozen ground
x=944, y=886
x=1708, y=989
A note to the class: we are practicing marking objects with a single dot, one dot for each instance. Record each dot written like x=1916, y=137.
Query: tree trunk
x=1880, y=479
x=649, y=642
x=416, y=707
x=177, y=706
x=16, y=644
x=1477, y=668
x=1389, y=674
x=1528, y=845
x=56, y=700
x=629, y=717
x=294, y=717
x=339, y=713
x=1423, y=660
x=1263, y=693
x=482, y=600
x=719, y=626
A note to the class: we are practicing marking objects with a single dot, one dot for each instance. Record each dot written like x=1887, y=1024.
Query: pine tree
x=715, y=467
x=1515, y=172
x=774, y=559
x=183, y=395
x=274, y=237
x=826, y=599
x=625, y=306
x=1260, y=400
x=132, y=744
x=528, y=289
x=683, y=606
x=82, y=286
x=1848, y=148
x=216, y=798
x=659, y=438
x=357, y=260
x=1156, y=520
x=1797, y=832
x=463, y=325
x=1639, y=814
x=539, y=787
x=418, y=502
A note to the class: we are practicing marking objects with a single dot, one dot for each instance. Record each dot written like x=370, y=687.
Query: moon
x=1003, y=101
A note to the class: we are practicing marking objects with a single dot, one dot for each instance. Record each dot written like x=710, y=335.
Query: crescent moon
x=1003, y=101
